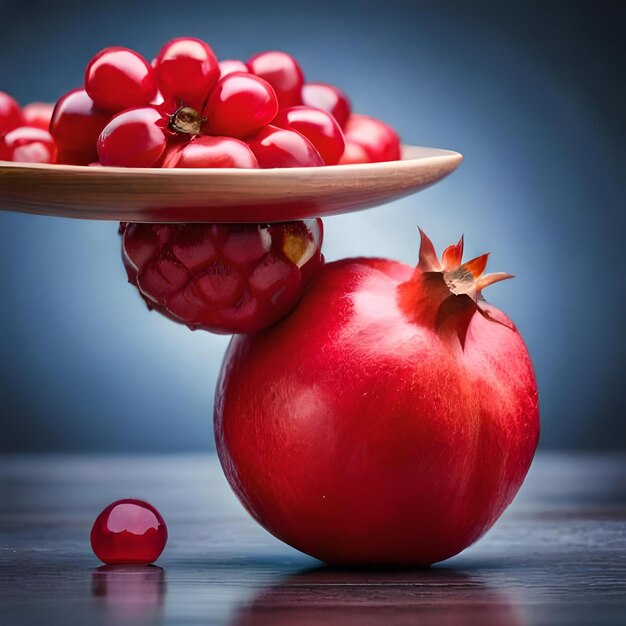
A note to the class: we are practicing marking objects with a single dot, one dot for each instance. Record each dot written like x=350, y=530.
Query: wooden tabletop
x=557, y=556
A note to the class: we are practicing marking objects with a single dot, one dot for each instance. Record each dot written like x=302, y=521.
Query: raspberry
x=224, y=278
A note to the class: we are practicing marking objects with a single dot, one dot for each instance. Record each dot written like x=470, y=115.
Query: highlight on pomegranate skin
x=401, y=427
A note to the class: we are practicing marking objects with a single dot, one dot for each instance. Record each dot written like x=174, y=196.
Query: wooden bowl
x=217, y=195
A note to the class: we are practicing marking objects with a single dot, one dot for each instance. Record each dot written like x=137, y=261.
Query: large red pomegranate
x=389, y=420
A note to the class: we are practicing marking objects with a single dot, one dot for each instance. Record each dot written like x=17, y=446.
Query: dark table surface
x=557, y=556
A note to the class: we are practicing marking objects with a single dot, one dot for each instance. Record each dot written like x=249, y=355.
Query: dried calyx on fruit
x=446, y=293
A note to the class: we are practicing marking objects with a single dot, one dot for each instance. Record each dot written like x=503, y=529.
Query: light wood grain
x=217, y=195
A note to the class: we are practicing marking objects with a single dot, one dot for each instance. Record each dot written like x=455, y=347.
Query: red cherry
x=38, y=114
x=75, y=126
x=378, y=139
x=277, y=147
x=186, y=70
x=282, y=72
x=28, y=145
x=119, y=78
x=133, y=138
x=354, y=153
x=224, y=278
x=328, y=98
x=318, y=126
x=211, y=152
x=129, y=532
x=239, y=105
x=230, y=66
x=10, y=113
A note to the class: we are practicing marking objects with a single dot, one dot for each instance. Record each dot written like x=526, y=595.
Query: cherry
x=278, y=147
x=378, y=139
x=186, y=70
x=224, y=278
x=318, y=126
x=119, y=78
x=211, y=152
x=10, y=113
x=129, y=532
x=328, y=98
x=133, y=138
x=239, y=105
x=282, y=72
x=38, y=114
x=28, y=145
x=229, y=66
x=75, y=125
x=354, y=153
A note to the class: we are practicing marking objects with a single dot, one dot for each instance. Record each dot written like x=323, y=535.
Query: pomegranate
x=389, y=420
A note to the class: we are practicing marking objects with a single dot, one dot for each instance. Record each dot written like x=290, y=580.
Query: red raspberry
x=224, y=278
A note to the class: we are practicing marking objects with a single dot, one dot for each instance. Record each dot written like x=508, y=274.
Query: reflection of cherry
x=132, y=592
x=363, y=598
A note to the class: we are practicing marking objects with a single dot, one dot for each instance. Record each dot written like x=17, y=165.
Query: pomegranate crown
x=460, y=278
x=445, y=294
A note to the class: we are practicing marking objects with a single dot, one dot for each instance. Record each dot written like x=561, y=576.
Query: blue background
x=532, y=93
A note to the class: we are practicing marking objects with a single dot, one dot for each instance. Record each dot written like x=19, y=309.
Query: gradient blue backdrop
x=531, y=93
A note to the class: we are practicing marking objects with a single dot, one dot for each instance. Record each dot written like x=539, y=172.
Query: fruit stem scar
x=186, y=121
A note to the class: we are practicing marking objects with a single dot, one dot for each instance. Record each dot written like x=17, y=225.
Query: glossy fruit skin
x=362, y=437
x=28, y=145
x=230, y=66
x=282, y=72
x=129, y=531
x=328, y=98
x=206, y=151
x=186, y=70
x=318, y=126
x=119, y=78
x=239, y=105
x=354, y=153
x=133, y=138
x=224, y=278
x=76, y=125
x=10, y=113
x=38, y=114
x=278, y=147
x=378, y=139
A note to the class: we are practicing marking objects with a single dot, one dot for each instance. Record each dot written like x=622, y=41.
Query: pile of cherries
x=187, y=109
